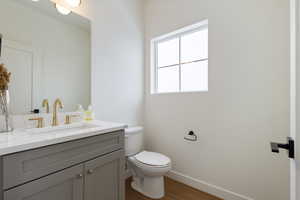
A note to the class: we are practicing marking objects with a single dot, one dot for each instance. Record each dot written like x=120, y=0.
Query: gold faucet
x=55, y=107
x=46, y=104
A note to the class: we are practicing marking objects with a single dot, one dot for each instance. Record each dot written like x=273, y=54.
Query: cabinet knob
x=90, y=171
x=79, y=176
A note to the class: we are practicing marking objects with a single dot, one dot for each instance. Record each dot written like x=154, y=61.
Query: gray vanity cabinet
x=86, y=169
x=64, y=185
x=104, y=177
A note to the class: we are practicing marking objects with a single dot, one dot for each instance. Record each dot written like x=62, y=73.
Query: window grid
x=184, y=63
x=179, y=36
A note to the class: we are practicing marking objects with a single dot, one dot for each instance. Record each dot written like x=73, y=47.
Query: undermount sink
x=63, y=128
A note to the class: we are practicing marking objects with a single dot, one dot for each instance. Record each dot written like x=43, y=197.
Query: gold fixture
x=40, y=121
x=55, y=107
x=69, y=118
x=46, y=104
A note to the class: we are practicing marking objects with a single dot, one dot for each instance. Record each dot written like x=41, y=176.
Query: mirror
x=47, y=53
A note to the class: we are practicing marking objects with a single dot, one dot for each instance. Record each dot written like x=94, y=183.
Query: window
x=180, y=60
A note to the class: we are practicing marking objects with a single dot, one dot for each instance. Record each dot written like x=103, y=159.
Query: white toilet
x=148, y=168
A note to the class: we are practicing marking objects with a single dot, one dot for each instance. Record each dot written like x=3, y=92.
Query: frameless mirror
x=47, y=53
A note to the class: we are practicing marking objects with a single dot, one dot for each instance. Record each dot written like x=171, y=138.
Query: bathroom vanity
x=81, y=163
x=64, y=160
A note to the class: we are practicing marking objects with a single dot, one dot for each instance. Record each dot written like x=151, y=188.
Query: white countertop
x=22, y=139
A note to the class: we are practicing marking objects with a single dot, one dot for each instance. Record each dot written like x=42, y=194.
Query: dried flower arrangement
x=4, y=77
x=4, y=95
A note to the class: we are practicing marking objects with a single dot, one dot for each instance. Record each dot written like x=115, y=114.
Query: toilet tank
x=133, y=140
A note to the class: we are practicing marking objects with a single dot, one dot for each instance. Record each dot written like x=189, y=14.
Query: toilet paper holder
x=191, y=136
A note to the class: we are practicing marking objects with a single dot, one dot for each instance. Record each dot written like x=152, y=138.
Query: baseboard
x=206, y=187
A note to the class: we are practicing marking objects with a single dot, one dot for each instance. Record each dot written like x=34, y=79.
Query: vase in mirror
x=4, y=107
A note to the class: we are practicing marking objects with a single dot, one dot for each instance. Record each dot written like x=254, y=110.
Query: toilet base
x=152, y=187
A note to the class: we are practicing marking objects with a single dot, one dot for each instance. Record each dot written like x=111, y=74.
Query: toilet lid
x=151, y=158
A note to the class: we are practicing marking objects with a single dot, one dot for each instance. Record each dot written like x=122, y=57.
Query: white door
x=19, y=61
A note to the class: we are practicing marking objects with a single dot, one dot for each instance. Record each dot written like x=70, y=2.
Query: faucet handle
x=45, y=104
x=69, y=118
x=40, y=121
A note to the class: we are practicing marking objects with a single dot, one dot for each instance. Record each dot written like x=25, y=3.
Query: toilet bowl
x=148, y=168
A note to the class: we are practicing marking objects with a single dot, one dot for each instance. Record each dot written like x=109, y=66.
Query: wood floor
x=174, y=191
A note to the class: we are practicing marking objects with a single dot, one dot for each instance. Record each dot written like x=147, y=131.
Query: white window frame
x=154, y=55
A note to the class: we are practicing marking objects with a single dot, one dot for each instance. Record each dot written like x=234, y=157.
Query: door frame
x=294, y=34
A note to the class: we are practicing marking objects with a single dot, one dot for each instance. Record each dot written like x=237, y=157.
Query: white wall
x=117, y=72
x=247, y=104
x=63, y=52
x=117, y=59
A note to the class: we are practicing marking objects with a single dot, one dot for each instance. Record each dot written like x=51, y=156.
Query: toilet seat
x=148, y=170
x=152, y=159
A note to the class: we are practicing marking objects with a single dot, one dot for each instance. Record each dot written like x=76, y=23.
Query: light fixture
x=35, y=0
x=62, y=10
x=73, y=3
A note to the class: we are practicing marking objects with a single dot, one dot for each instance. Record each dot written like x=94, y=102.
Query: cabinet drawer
x=29, y=165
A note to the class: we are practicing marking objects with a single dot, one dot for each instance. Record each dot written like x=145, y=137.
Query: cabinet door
x=104, y=179
x=63, y=185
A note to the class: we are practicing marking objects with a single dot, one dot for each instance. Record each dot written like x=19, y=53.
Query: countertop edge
x=53, y=141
